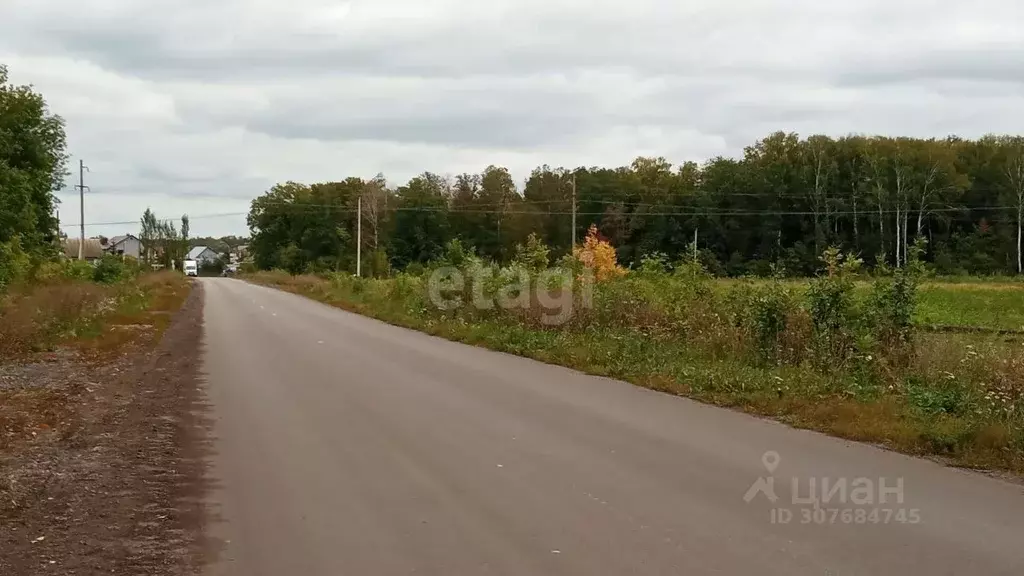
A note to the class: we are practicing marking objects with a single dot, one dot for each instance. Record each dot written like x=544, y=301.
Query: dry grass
x=99, y=453
x=88, y=322
x=34, y=319
x=145, y=313
x=91, y=316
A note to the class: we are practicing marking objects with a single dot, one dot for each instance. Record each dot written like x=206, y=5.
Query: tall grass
x=33, y=319
x=66, y=302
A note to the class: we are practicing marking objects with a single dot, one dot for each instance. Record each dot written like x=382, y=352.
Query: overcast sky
x=198, y=106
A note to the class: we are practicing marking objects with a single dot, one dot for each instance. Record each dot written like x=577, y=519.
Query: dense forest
x=782, y=203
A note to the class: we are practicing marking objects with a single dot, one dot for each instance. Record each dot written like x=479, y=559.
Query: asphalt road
x=346, y=446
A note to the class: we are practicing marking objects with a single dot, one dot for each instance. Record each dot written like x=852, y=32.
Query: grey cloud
x=212, y=42
x=472, y=130
x=220, y=41
x=989, y=64
x=191, y=101
x=492, y=112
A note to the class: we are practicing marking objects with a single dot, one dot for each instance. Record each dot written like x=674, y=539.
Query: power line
x=337, y=209
x=129, y=222
x=667, y=209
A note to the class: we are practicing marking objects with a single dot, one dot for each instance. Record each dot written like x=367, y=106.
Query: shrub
x=892, y=304
x=654, y=264
x=406, y=286
x=693, y=277
x=630, y=302
x=380, y=265
x=50, y=271
x=831, y=306
x=946, y=263
x=533, y=256
x=710, y=263
x=736, y=265
x=78, y=270
x=455, y=254
x=289, y=257
x=55, y=271
x=769, y=313
x=599, y=256
x=933, y=399
x=109, y=270
x=15, y=263
x=768, y=318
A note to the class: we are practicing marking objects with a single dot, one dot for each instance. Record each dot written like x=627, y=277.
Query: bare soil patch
x=101, y=456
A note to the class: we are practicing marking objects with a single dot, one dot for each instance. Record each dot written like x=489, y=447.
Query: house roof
x=198, y=251
x=92, y=248
x=118, y=239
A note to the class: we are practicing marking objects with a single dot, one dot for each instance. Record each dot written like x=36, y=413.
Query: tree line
x=779, y=205
x=32, y=166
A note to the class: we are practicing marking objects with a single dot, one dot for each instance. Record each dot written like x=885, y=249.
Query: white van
x=191, y=268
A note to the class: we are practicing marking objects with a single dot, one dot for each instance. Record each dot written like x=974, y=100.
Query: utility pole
x=358, y=237
x=695, y=230
x=574, y=211
x=81, y=199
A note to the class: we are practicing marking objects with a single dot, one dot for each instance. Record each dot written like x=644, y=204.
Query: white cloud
x=197, y=106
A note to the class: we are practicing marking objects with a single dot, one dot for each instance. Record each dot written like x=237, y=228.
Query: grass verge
x=93, y=322
x=95, y=318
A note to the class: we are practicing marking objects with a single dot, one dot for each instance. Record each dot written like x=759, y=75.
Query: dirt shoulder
x=101, y=458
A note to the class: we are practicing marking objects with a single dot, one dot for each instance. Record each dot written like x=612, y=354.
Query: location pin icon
x=771, y=461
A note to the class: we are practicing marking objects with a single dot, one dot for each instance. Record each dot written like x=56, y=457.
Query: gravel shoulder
x=101, y=461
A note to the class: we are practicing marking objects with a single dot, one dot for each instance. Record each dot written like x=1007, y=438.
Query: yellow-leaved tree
x=599, y=256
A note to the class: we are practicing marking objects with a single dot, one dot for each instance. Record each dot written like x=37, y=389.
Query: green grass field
x=982, y=305
x=958, y=302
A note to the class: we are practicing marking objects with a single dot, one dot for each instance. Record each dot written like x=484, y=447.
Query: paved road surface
x=346, y=446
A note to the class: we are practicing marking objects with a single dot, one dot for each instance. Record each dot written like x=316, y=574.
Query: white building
x=203, y=255
x=127, y=245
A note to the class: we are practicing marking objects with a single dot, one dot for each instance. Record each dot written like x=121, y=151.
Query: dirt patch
x=101, y=463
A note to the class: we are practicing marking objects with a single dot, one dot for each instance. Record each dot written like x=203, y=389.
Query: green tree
x=421, y=222
x=32, y=167
x=149, y=236
x=779, y=205
x=183, y=248
x=305, y=228
x=1012, y=149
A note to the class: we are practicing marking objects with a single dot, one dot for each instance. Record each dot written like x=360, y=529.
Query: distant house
x=203, y=255
x=240, y=254
x=127, y=245
x=92, y=250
